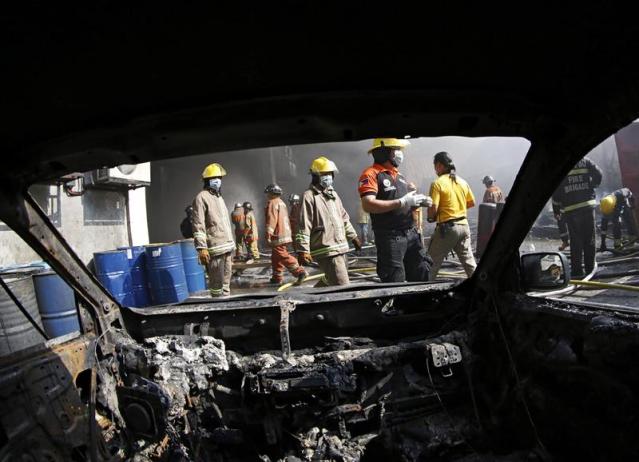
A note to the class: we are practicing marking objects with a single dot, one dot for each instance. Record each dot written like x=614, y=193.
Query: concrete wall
x=92, y=222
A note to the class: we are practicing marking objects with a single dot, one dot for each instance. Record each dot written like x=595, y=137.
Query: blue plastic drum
x=137, y=268
x=56, y=302
x=165, y=273
x=112, y=270
x=194, y=272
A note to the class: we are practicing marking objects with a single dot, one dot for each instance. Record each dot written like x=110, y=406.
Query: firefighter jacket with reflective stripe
x=577, y=190
x=324, y=227
x=250, y=227
x=624, y=201
x=238, y=220
x=278, y=228
x=211, y=225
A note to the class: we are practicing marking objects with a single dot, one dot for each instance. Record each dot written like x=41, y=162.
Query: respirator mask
x=398, y=158
x=326, y=181
x=214, y=184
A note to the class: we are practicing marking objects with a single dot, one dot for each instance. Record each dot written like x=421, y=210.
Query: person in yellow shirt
x=452, y=198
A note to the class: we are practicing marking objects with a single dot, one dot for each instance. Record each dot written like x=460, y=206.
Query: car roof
x=107, y=84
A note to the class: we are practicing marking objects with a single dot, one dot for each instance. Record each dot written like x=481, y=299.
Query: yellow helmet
x=389, y=143
x=608, y=204
x=213, y=170
x=323, y=165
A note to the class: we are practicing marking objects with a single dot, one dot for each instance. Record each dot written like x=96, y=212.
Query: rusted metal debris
x=314, y=404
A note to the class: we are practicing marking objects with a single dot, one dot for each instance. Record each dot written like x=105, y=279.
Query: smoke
x=175, y=182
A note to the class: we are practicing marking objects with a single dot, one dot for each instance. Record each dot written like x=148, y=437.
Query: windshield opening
x=313, y=215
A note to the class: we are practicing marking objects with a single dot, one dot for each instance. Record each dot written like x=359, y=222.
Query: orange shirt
x=368, y=180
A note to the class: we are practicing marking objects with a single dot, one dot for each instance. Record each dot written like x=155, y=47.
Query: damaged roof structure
x=475, y=371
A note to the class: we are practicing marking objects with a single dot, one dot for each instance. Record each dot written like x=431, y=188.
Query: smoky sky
x=175, y=182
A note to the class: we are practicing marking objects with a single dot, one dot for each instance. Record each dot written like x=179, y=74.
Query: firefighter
x=294, y=215
x=418, y=214
x=324, y=227
x=618, y=208
x=493, y=193
x=186, y=228
x=384, y=194
x=213, y=232
x=278, y=236
x=575, y=199
x=237, y=218
x=251, y=235
x=452, y=197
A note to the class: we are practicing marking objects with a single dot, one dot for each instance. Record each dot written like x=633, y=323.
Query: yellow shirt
x=451, y=199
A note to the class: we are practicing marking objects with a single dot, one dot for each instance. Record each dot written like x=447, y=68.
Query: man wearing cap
x=384, y=194
x=212, y=231
x=493, y=193
x=324, y=226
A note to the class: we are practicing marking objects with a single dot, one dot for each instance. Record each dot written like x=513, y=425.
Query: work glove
x=618, y=244
x=357, y=244
x=428, y=202
x=203, y=256
x=304, y=258
x=412, y=199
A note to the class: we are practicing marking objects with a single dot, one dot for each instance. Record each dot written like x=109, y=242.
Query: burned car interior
x=465, y=370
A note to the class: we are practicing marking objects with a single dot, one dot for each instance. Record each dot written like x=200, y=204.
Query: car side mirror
x=544, y=271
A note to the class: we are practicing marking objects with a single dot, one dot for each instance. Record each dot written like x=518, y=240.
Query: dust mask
x=326, y=181
x=215, y=184
x=398, y=158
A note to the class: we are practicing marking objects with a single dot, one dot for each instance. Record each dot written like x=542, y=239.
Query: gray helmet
x=488, y=180
x=248, y=205
x=238, y=205
x=273, y=189
x=294, y=198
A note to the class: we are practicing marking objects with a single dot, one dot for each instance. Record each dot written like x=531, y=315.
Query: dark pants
x=563, y=229
x=401, y=256
x=625, y=217
x=581, y=226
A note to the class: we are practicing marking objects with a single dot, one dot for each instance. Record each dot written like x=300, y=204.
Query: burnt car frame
x=479, y=371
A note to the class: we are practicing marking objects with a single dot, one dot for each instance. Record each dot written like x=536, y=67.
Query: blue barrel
x=137, y=268
x=194, y=272
x=56, y=302
x=112, y=270
x=165, y=273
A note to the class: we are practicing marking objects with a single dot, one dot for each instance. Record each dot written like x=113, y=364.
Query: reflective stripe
x=222, y=248
x=323, y=251
x=216, y=291
x=578, y=171
x=280, y=241
x=580, y=205
x=199, y=234
x=304, y=238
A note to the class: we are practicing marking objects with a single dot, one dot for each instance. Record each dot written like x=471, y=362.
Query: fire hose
x=370, y=269
x=605, y=285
